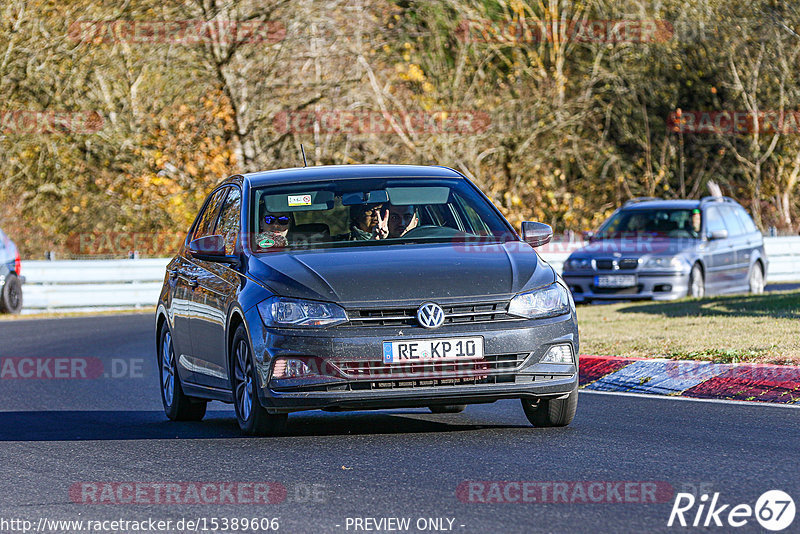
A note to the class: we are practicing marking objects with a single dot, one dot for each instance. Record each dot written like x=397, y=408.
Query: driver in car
x=402, y=219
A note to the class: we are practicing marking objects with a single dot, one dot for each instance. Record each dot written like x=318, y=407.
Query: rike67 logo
x=774, y=510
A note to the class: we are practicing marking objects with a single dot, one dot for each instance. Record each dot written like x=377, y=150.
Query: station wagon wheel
x=11, y=295
x=757, y=279
x=253, y=419
x=177, y=405
x=697, y=283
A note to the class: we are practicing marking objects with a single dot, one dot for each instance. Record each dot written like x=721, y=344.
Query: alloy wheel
x=244, y=381
x=168, y=370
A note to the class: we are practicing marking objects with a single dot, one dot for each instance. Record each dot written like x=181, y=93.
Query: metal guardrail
x=97, y=284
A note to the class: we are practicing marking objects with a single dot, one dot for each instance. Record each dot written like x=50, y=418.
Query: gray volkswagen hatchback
x=360, y=287
x=668, y=249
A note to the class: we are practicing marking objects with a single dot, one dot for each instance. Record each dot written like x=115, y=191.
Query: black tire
x=177, y=405
x=11, y=295
x=552, y=412
x=756, y=279
x=697, y=283
x=448, y=408
x=253, y=419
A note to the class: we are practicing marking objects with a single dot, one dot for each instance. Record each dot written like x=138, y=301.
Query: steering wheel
x=431, y=230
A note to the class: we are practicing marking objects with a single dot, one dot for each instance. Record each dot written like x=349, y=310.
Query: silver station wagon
x=668, y=249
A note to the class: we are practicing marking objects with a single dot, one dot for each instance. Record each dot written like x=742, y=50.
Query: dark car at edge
x=283, y=298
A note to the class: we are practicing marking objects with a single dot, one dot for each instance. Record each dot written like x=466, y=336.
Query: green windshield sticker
x=266, y=243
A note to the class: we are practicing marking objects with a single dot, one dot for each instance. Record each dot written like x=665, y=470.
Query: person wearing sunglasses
x=274, y=230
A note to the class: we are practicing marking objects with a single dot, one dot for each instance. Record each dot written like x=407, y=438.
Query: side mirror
x=588, y=235
x=210, y=248
x=536, y=234
x=718, y=234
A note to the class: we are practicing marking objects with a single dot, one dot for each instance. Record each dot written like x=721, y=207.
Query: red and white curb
x=697, y=379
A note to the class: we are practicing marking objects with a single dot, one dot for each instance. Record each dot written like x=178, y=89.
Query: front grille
x=407, y=316
x=374, y=374
x=377, y=370
x=611, y=265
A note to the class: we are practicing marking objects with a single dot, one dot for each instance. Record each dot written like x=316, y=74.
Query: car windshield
x=364, y=212
x=652, y=222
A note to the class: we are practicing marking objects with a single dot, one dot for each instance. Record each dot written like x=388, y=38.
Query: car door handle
x=193, y=283
x=173, y=274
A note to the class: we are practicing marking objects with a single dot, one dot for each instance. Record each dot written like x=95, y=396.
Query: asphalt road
x=61, y=434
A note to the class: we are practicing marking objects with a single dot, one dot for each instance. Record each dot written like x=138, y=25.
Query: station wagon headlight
x=548, y=302
x=279, y=311
x=664, y=263
x=578, y=264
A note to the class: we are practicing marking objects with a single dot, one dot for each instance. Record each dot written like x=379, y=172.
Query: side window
x=731, y=221
x=714, y=221
x=745, y=219
x=228, y=223
x=205, y=224
x=476, y=224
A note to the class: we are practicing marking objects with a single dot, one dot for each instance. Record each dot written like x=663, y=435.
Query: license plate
x=442, y=349
x=615, y=280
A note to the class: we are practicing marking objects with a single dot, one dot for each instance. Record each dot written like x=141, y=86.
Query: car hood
x=636, y=247
x=403, y=273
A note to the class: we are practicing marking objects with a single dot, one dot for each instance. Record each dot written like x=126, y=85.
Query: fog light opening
x=294, y=368
x=663, y=288
x=558, y=354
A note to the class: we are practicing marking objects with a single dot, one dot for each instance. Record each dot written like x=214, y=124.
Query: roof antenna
x=303, y=151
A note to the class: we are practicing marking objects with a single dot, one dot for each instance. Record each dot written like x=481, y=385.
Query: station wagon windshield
x=651, y=222
x=364, y=212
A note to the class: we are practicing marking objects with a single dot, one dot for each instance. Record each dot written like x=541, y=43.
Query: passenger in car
x=368, y=221
x=402, y=219
x=274, y=230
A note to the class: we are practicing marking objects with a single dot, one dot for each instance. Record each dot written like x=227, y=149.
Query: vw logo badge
x=430, y=315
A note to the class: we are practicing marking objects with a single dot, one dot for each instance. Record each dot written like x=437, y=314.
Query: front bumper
x=526, y=377
x=653, y=286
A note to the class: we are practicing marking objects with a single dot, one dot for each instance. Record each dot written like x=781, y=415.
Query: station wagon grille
x=624, y=264
x=454, y=314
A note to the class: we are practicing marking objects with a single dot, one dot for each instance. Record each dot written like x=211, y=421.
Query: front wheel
x=757, y=279
x=253, y=419
x=697, y=283
x=177, y=405
x=11, y=295
x=552, y=412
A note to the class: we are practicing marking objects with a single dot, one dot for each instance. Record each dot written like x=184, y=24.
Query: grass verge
x=727, y=329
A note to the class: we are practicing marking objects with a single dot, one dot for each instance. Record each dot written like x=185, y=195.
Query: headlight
x=548, y=302
x=578, y=264
x=664, y=263
x=279, y=311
